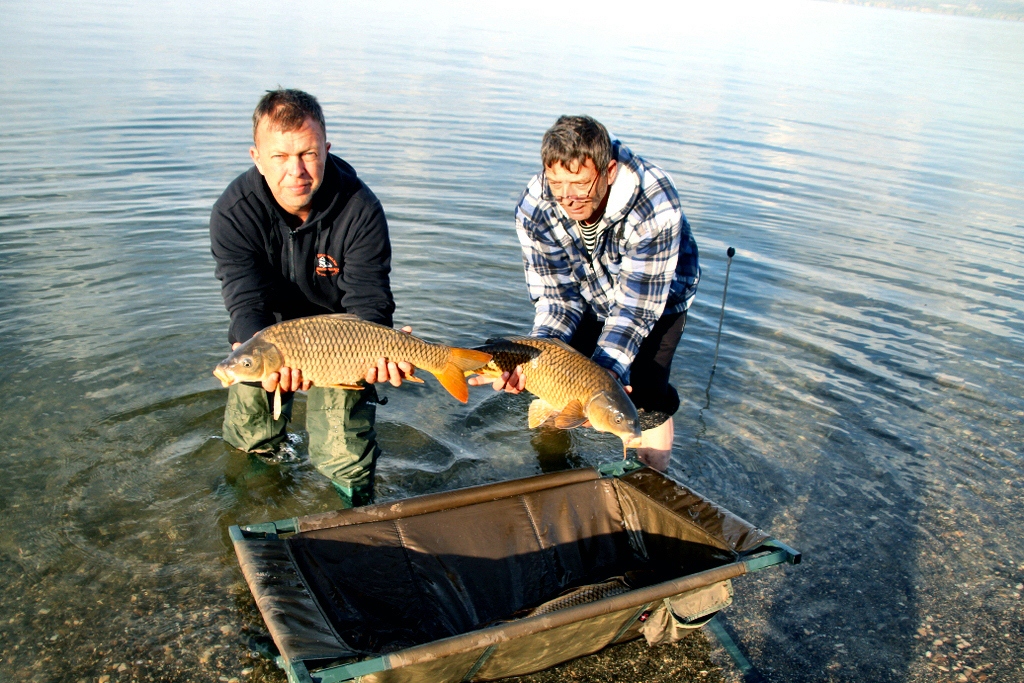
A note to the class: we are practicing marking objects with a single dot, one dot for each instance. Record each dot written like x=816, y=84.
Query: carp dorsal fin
x=516, y=339
x=509, y=339
x=572, y=416
x=562, y=344
x=539, y=413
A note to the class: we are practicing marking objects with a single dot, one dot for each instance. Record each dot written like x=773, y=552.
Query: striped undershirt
x=589, y=234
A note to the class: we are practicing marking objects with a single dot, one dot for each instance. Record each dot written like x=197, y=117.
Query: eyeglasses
x=575, y=188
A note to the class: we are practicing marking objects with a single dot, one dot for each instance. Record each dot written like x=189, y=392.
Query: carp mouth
x=630, y=441
x=222, y=374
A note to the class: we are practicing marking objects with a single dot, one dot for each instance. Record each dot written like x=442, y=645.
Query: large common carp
x=337, y=350
x=570, y=388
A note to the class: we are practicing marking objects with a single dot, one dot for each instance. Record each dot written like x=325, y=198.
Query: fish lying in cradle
x=582, y=596
x=337, y=350
x=570, y=388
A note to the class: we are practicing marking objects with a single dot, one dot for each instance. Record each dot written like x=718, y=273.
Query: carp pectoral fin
x=413, y=378
x=540, y=412
x=572, y=416
x=277, y=403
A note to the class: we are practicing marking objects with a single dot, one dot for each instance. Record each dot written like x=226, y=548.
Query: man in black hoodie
x=299, y=234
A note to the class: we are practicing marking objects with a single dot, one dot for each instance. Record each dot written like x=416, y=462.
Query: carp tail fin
x=453, y=376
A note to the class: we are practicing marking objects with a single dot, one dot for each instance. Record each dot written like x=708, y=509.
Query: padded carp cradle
x=493, y=581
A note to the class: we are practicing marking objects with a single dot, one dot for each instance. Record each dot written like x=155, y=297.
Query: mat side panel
x=289, y=611
x=725, y=528
x=433, y=502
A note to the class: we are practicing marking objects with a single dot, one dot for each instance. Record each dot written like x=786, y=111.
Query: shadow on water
x=413, y=462
x=554, y=450
x=837, y=489
x=499, y=427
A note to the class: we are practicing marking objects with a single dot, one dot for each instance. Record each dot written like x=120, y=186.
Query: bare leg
x=656, y=445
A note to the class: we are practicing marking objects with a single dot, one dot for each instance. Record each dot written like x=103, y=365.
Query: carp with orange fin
x=570, y=388
x=337, y=350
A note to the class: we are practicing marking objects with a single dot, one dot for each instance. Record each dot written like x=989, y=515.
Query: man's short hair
x=287, y=110
x=574, y=139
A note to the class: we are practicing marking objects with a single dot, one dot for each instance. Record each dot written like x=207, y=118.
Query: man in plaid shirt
x=611, y=267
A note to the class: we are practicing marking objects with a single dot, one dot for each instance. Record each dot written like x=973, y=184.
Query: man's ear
x=327, y=147
x=255, y=155
x=613, y=171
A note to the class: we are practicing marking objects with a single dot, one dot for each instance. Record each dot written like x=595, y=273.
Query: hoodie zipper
x=291, y=255
x=292, y=236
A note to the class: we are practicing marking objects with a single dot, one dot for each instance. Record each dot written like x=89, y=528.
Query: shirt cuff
x=608, y=362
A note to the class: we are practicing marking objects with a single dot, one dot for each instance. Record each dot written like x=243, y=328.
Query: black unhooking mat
x=438, y=586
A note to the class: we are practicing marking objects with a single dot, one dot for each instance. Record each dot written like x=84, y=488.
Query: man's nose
x=296, y=166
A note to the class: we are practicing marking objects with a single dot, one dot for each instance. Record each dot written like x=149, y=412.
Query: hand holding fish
x=512, y=382
x=288, y=379
x=390, y=371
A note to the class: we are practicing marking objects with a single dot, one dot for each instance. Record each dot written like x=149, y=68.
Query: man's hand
x=289, y=379
x=512, y=382
x=390, y=371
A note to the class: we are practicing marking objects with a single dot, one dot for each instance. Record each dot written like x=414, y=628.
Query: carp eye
x=246, y=362
x=618, y=419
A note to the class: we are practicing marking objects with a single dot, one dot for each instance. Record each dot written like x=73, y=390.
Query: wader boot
x=249, y=423
x=342, y=440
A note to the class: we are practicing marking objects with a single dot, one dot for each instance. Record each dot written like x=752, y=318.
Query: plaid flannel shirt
x=645, y=263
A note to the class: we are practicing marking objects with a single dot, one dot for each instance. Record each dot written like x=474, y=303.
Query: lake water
x=867, y=407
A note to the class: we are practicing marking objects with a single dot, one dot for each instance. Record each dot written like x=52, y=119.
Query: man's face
x=581, y=189
x=292, y=162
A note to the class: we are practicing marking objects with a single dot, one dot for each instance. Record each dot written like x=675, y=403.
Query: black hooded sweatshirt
x=272, y=268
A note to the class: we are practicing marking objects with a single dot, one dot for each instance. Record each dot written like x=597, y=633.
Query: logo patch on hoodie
x=326, y=265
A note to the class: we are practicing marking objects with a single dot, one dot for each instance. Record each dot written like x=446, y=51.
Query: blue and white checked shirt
x=643, y=266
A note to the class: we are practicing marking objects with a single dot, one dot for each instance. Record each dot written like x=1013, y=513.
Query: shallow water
x=867, y=405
